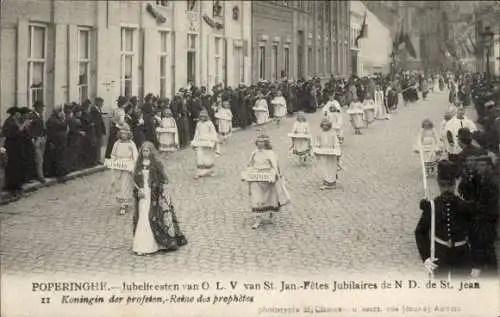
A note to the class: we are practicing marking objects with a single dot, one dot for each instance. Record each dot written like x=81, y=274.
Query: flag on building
x=399, y=39
x=445, y=51
x=473, y=44
x=404, y=38
x=362, y=32
x=409, y=46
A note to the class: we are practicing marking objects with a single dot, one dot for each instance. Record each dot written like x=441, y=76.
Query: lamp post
x=487, y=37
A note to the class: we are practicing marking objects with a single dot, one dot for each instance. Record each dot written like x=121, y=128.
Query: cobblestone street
x=366, y=224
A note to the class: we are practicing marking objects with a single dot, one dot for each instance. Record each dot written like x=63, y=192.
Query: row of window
x=323, y=61
x=275, y=72
x=37, y=61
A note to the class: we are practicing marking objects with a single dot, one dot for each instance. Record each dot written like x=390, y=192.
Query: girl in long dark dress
x=55, y=151
x=153, y=230
x=12, y=132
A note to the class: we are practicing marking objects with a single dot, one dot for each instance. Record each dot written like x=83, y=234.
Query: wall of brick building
x=274, y=24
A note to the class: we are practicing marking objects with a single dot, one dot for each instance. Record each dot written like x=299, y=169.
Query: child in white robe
x=224, y=118
x=336, y=117
x=261, y=109
x=327, y=151
x=267, y=195
x=369, y=111
x=356, y=112
x=205, y=143
x=279, y=103
x=124, y=149
x=428, y=142
x=168, y=136
x=300, y=138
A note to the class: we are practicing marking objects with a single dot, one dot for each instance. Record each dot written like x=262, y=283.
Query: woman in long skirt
x=261, y=109
x=262, y=175
x=381, y=113
x=300, y=138
x=205, y=143
x=124, y=149
x=168, y=136
x=327, y=151
x=279, y=103
x=152, y=232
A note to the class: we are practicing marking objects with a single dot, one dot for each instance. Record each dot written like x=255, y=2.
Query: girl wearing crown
x=155, y=224
x=124, y=149
x=335, y=116
x=300, y=138
x=168, y=136
x=266, y=187
x=327, y=152
x=205, y=143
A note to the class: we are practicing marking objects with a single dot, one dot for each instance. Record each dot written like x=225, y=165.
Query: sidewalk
x=7, y=198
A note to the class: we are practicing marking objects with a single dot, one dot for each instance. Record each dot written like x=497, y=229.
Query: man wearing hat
x=97, y=123
x=12, y=131
x=452, y=127
x=465, y=138
x=38, y=133
x=452, y=229
x=480, y=188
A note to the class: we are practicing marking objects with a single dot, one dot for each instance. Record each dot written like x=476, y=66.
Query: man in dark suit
x=99, y=129
x=465, y=138
x=452, y=225
x=38, y=134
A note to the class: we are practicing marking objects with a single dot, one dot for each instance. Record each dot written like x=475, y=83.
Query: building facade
x=299, y=39
x=61, y=51
x=372, y=52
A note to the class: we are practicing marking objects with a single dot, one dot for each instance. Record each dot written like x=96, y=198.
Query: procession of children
x=139, y=177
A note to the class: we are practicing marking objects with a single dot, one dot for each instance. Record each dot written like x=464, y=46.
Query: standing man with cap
x=480, y=188
x=452, y=224
x=38, y=133
x=452, y=127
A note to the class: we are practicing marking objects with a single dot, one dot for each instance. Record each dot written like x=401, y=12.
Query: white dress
x=224, y=122
x=300, y=146
x=168, y=136
x=279, y=107
x=261, y=111
x=144, y=240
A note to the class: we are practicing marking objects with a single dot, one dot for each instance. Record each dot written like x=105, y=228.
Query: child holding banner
x=124, y=151
x=167, y=132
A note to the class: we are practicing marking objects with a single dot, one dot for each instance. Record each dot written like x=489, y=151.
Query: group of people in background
x=465, y=156
x=37, y=147
x=71, y=138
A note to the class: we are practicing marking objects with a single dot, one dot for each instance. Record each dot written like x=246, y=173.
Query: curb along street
x=7, y=198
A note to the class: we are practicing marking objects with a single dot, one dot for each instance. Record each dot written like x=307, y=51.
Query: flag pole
x=433, y=211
